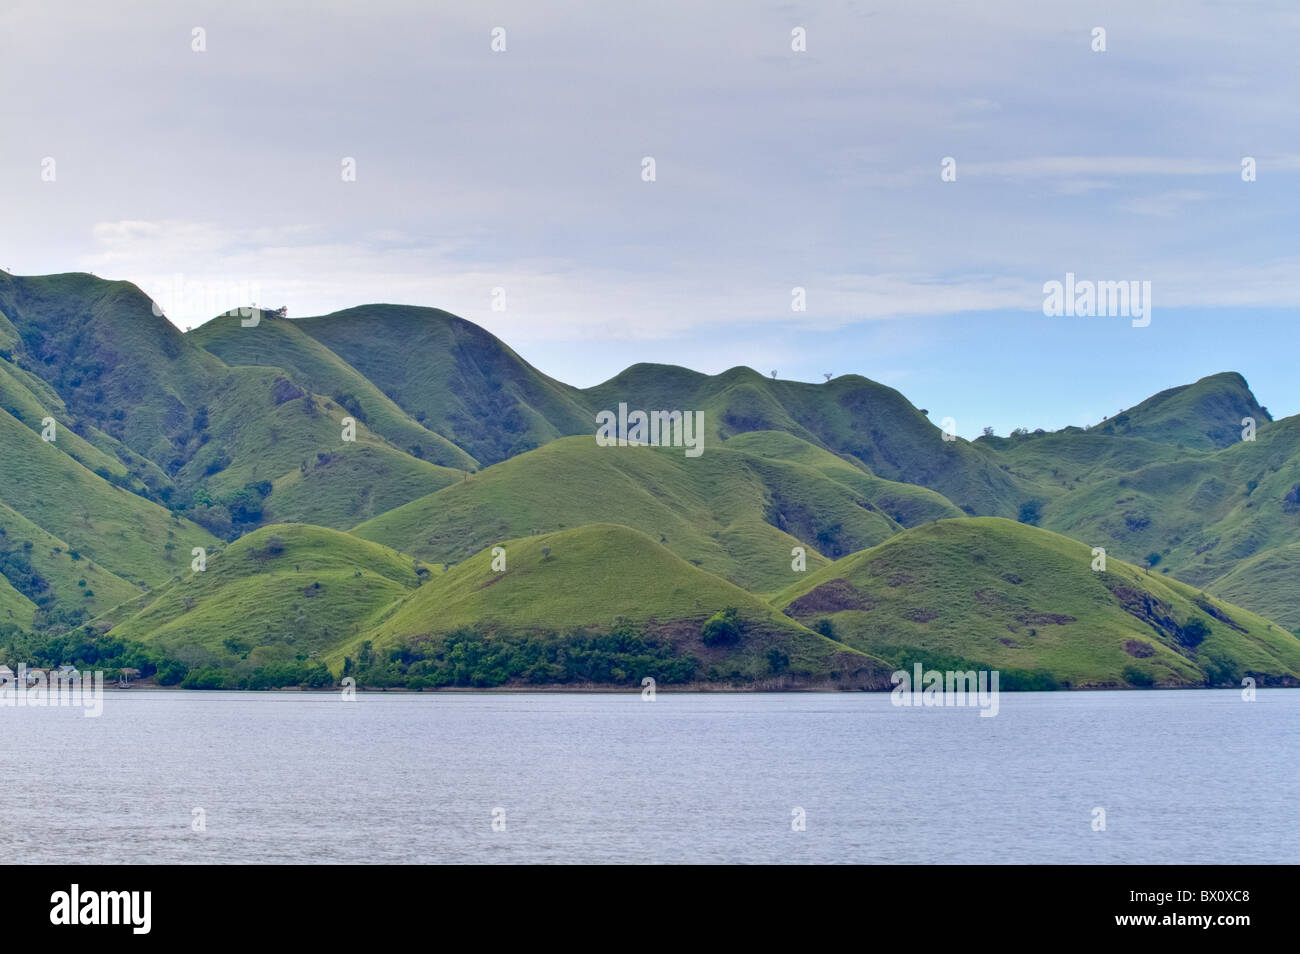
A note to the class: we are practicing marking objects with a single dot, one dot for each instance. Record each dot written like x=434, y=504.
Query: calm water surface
x=1194, y=776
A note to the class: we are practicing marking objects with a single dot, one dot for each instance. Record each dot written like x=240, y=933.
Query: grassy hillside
x=1204, y=414
x=168, y=441
x=594, y=578
x=104, y=524
x=1201, y=515
x=849, y=415
x=277, y=594
x=280, y=343
x=906, y=504
x=15, y=608
x=202, y=437
x=1267, y=583
x=101, y=347
x=268, y=429
x=996, y=594
x=56, y=577
x=454, y=378
x=733, y=514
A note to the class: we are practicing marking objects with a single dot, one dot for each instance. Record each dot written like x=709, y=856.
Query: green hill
x=57, y=578
x=1267, y=583
x=280, y=343
x=103, y=523
x=849, y=415
x=1201, y=514
x=734, y=514
x=101, y=347
x=15, y=608
x=276, y=594
x=1206, y=414
x=605, y=578
x=454, y=378
x=270, y=430
x=203, y=437
x=989, y=593
x=906, y=504
x=167, y=441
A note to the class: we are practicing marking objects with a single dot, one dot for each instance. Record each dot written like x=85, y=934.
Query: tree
x=988, y=432
x=723, y=628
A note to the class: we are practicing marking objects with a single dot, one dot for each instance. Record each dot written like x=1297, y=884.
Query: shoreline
x=688, y=689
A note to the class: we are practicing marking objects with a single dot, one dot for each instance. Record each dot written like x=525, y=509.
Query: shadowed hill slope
x=454, y=377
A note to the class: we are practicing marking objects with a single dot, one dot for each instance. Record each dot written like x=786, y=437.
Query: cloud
x=775, y=169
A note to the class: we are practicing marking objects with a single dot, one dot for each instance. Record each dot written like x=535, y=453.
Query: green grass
x=1204, y=414
x=100, y=346
x=107, y=525
x=906, y=504
x=281, y=592
x=57, y=575
x=1203, y=513
x=1268, y=583
x=343, y=482
x=849, y=415
x=235, y=426
x=593, y=577
x=453, y=377
x=734, y=514
x=1012, y=597
x=15, y=608
x=279, y=342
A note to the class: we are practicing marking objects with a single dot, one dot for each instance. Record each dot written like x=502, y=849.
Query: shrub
x=1137, y=678
x=1031, y=511
x=722, y=628
x=1194, y=633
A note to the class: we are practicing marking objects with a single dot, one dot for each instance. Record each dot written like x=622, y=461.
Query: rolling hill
x=601, y=577
x=453, y=377
x=865, y=422
x=233, y=439
x=281, y=343
x=274, y=594
x=734, y=514
x=991, y=593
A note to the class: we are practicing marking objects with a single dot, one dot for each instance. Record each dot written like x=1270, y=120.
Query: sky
x=201, y=151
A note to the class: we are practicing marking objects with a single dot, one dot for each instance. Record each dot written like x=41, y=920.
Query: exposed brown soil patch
x=831, y=597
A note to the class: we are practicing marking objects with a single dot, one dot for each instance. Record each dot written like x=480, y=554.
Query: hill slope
x=281, y=592
x=453, y=377
x=1206, y=414
x=603, y=578
x=280, y=343
x=731, y=513
x=995, y=594
x=850, y=415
